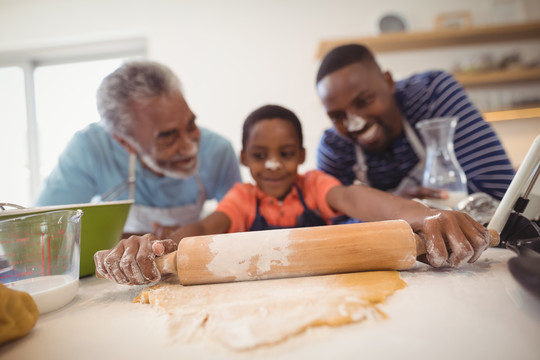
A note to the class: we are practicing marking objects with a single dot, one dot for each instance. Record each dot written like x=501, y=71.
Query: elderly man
x=374, y=139
x=145, y=117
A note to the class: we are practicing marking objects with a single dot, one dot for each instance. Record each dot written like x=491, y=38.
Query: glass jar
x=442, y=169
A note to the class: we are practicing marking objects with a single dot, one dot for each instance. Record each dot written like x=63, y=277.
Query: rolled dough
x=246, y=315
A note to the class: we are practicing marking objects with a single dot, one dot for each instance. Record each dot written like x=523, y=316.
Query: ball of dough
x=18, y=314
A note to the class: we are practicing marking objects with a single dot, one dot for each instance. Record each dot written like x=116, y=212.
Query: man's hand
x=131, y=261
x=452, y=238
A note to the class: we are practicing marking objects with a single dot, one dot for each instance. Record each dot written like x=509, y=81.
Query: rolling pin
x=283, y=253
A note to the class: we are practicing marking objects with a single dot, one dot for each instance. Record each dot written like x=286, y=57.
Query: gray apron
x=141, y=217
x=413, y=178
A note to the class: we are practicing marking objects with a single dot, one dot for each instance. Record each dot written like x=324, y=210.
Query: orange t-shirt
x=240, y=203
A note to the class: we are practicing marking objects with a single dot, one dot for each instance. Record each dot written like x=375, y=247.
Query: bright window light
x=15, y=178
x=48, y=94
x=66, y=103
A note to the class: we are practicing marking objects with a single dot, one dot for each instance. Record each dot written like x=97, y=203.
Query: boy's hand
x=131, y=261
x=452, y=238
x=420, y=192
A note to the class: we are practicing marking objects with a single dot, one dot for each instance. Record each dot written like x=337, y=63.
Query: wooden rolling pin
x=270, y=254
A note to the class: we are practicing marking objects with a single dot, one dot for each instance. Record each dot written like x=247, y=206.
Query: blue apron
x=306, y=219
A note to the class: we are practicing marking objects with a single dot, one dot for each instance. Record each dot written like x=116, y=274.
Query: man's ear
x=389, y=81
x=125, y=144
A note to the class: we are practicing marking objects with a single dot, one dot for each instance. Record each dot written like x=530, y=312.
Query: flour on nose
x=355, y=123
x=272, y=164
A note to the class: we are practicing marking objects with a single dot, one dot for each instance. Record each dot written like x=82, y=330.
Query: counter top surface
x=477, y=311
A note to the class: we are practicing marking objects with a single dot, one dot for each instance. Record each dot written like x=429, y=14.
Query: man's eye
x=362, y=102
x=167, y=138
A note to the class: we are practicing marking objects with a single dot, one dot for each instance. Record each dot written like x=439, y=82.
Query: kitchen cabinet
x=410, y=41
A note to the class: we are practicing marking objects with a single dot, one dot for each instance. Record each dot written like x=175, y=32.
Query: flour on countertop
x=248, y=315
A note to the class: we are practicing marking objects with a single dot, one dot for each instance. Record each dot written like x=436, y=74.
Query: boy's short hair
x=342, y=56
x=271, y=112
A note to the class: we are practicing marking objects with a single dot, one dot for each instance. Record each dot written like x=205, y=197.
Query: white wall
x=233, y=56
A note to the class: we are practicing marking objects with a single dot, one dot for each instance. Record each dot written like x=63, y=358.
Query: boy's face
x=272, y=152
x=359, y=100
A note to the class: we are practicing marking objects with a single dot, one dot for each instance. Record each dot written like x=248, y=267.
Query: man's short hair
x=137, y=80
x=342, y=56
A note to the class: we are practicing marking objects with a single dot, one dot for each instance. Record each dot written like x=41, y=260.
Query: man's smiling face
x=359, y=99
x=165, y=135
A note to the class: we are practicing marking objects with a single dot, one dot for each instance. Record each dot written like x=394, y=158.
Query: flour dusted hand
x=162, y=231
x=131, y=261
x=452, y=238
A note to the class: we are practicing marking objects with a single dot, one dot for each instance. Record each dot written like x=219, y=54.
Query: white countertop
x=478, y=311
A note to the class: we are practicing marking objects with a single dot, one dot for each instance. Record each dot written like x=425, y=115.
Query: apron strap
x=415, y=175
x=131, y=178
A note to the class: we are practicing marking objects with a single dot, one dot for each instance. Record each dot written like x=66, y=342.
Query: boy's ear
x=243, y=157
x=302, y=156
x=125, y=144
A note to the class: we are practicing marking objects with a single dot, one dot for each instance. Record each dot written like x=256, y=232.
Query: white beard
x=175, y=174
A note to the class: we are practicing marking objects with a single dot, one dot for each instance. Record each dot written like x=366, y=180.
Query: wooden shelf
x=515, y=114
x=393, y=42
x=497, y=77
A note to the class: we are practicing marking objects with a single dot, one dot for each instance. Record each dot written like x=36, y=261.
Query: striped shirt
x=424, y=96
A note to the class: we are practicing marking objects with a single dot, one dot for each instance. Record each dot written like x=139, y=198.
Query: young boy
x=272, y=150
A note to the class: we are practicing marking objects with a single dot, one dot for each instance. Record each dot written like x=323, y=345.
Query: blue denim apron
x=306, y=219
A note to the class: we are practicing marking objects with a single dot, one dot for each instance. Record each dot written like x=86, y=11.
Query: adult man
x=374, y=139
x=178, y=167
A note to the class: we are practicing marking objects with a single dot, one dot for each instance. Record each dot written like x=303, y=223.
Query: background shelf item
x=392, y=42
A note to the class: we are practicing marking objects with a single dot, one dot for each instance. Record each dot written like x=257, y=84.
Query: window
x=48, y=95
x=15, y=176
